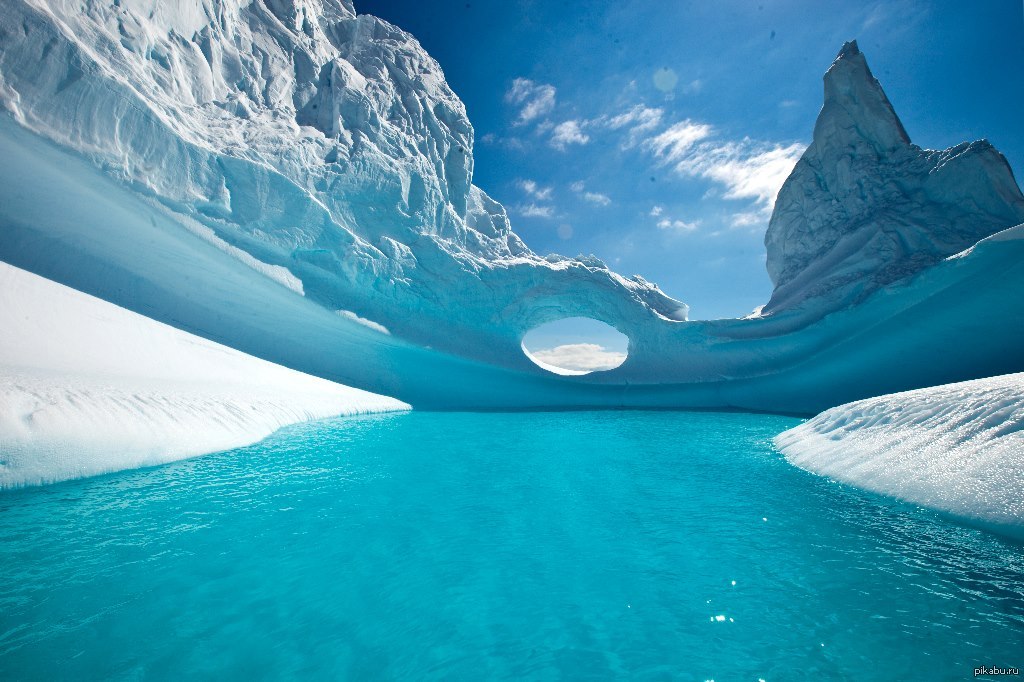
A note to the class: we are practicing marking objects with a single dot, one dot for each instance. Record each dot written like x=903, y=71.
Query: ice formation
x=87, y=387
x=289, y=178
x=957, y=448
x=319, y=142
x=864, y=207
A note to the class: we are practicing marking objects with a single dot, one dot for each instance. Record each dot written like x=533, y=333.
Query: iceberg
x=864, y=207
x=89, y=388
x=289, y=178
x=956, y=448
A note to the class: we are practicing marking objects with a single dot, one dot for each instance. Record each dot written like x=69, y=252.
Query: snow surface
x=245, y=170
x=87, y=388
x=957, y=448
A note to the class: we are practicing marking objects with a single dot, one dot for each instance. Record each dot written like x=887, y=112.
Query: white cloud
x=566, y=133
x=534, y=190
x=677, y=141
x=640, y=120
x=748, y=219
x=746, y=169
x=580, y=357
x=597, y=198
x=657, y=211
x=678, y=225
x=533, y=99
x=592, y=197
x=534, y=211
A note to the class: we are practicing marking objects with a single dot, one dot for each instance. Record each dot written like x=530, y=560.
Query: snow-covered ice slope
x=87, y=388
x=267, y=173
x=957, y=448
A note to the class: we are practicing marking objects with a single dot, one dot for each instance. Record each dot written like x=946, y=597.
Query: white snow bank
x=957, y=448
x=87, y=387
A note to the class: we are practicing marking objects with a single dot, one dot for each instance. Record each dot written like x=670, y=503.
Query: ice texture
x=864, y=207
x=316, y=140
x=88, y=388
x=289, y=178
x=957, y=448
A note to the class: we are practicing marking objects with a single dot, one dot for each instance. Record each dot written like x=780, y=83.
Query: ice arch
x=575, y=346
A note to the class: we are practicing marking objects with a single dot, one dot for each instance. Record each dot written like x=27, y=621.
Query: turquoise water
x=574, y=545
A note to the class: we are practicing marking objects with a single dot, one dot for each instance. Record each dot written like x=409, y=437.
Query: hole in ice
x=576, y=345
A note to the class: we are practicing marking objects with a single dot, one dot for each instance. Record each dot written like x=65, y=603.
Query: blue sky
x=654, y=134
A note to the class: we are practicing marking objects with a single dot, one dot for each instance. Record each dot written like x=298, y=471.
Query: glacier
x=289, y=178
x=88, y=388
x=957, y=448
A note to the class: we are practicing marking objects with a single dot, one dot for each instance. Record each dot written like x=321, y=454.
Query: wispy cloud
x=580, y=357
x=748, y=219
x=746, y=169
x=533, y=210
x=534, y=190
x=639, y=121
x=593, y=197
x=657, y=211
x=694, y=86
x=678, y=225
x=677, y=142
x=567, y=133
x=533, y=99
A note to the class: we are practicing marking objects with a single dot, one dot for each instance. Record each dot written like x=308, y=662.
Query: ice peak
x=864, y=207
x=856, y=110
x=850, y=49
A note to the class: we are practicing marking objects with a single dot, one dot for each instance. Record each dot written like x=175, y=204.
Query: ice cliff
x=864, y=207
x=317, y=140
x=268, y=173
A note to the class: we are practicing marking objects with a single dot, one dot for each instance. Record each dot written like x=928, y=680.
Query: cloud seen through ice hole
x=580, y=357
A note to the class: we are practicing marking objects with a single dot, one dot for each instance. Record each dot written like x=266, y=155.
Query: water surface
x=572, y=545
